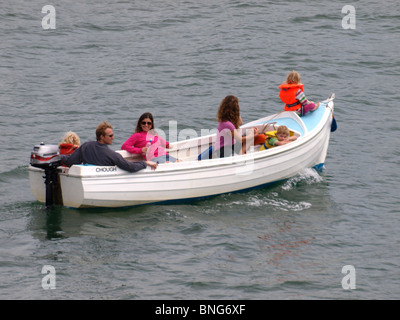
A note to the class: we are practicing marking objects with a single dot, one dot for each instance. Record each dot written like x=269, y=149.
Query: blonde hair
x=293, y=77
x=71, y=138
x=283, y=130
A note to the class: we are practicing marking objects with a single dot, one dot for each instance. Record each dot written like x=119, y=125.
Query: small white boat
x=83, y=186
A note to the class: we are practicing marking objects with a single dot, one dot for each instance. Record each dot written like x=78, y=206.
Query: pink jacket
x=138, y=140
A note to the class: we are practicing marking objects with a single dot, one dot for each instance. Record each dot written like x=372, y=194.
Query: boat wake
x=275, y=200
x=307, y=176
x=272, y=201
x=278, y=202
x=16, y=173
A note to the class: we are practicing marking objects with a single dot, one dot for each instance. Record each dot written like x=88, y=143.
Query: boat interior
x=196, y=149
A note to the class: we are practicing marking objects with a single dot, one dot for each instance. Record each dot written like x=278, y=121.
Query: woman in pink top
x=146, y=142
x=229, y=135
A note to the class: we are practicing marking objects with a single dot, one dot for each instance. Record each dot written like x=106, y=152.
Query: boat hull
x=97, y=186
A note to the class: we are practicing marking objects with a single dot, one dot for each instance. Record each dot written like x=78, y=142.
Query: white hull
x=96, y=186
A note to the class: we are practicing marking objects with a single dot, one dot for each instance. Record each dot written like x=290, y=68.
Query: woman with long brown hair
x=229, y=136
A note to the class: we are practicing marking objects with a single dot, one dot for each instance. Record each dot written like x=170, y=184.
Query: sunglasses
x=110, y=135
x=145, y=122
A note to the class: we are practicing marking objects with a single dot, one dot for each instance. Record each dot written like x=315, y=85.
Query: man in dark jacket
x=98, y=153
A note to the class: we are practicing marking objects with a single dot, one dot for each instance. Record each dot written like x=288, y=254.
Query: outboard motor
x=47, y=157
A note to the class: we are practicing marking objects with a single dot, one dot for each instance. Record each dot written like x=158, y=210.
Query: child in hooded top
x=292, y=95
x=69, y=143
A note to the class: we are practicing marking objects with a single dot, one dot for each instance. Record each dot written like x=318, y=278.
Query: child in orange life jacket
x=292, y=95
x=69, y=143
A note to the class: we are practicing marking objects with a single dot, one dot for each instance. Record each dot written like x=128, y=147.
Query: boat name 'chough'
x=106, y=169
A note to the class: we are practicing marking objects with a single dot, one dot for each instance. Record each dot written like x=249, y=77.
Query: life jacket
x=268, y=136
x=67, y=148
x=288, y=95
